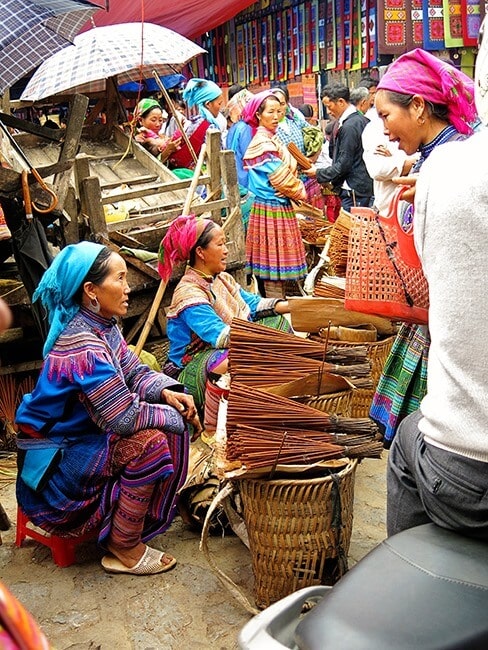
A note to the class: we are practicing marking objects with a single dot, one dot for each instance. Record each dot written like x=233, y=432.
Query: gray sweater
x=451, y=236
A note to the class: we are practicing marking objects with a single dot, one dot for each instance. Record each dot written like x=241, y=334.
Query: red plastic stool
x=63, y=549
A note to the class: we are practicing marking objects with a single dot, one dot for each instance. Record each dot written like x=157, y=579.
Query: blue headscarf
x=60, y=283
x=200, y=91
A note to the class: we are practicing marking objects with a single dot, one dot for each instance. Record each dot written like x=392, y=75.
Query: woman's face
x=400, y=123
x=280, y=96
x=215, y=105
x=153, y=121
x=271, y=115
x=214, y=256
x=112, y=294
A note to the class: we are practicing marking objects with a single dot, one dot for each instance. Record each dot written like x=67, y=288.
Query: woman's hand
x=382, y=150
x=411, y=181
x=312, y=172
x=185, y=405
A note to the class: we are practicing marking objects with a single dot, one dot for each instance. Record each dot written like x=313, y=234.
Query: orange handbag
x=383, y=274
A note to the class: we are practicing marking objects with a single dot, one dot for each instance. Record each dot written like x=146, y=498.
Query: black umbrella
x=31, y=252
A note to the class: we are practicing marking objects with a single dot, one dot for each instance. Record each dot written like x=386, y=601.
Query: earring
x=94, y=305
x=420, y=120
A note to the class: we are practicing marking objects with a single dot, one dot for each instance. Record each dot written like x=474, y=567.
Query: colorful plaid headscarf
x=420, y=73
x=176, y=245
x=236, y=104
x=251, y=108
x=59, y=284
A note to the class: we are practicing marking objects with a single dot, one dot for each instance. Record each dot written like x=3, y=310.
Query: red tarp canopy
x=191, y=18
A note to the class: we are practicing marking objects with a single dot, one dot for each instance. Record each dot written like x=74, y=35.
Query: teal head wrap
x=60, y=283
x=200, y=91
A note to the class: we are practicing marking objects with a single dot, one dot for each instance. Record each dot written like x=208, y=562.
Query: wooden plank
x=123, y=239
x=149, y=178
x=91, y=206
x=213, y=140
x=70, y=146
x=55, y=135
x=20, y=367
x=169, y=215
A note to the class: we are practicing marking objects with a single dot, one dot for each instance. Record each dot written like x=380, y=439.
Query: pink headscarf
x=420, y=73
x=176, y=245
x=236, y=104
x=250, y=109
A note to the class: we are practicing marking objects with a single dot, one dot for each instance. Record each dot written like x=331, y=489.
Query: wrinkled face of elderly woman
x=112, y=293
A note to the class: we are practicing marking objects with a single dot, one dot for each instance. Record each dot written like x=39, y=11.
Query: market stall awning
x=191, y=18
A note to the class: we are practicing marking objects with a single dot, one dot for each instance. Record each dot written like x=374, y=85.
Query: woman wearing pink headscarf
x=204, y=303
x=423, y=102
x=274, y=248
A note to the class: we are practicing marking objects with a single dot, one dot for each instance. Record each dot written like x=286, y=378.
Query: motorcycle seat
x=425, y=587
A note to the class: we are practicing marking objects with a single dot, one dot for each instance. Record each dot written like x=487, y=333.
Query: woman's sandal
x=150, y=563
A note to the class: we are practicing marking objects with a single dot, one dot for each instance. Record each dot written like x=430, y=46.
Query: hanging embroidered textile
x=328, y=34
x=433, y=24
x=392, y=26
x=314, y=35
x=470, y=11
x=453, y=24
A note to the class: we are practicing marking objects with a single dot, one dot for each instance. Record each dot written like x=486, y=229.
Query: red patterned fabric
x=453, y=24
x=392, y=26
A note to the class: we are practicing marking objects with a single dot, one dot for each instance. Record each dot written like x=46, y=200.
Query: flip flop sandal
x=149, y=564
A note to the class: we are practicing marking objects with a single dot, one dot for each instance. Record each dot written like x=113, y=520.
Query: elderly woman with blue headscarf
x=103, y=441
x=207, y=97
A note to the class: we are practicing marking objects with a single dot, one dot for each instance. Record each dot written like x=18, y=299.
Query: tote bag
x=383, y=274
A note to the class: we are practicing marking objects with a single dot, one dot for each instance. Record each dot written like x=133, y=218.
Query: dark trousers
x=349, y=199
x=428, y=484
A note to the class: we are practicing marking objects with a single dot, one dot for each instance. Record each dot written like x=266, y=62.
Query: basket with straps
x=384, y=275
x=299, y=530
x=377, y=353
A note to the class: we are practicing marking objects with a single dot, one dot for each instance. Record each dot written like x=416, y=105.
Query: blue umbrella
x=151, y=86
x=32, y=30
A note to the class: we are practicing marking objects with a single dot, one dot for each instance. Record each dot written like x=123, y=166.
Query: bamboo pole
x=162, y=285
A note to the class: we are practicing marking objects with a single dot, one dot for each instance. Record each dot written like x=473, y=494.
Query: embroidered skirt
x=274, y=246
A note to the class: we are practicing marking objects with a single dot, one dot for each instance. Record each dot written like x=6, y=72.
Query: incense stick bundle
x=248, y=336
x=267, y=410
x=256, y=447
x=258, y=368
x=325, y=288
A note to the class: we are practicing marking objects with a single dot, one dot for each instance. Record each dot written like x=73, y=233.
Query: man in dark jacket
x=347, y=174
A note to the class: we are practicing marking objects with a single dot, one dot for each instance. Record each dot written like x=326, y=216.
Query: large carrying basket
x=299, y=531
x=377, y=354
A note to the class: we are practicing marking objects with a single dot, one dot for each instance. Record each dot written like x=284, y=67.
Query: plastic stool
x=63, y=549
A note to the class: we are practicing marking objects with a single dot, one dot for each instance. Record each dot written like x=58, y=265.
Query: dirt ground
x=83, y=608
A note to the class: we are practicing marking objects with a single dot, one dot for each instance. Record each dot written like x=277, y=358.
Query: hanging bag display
x=384, y=275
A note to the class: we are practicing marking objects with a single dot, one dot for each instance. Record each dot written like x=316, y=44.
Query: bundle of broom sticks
x=259, y=356
x=264, y=429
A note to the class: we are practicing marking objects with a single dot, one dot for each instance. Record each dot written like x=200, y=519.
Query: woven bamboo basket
x=339, y=403
x=378, y=352
x=339, y=240
x=299, y=531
